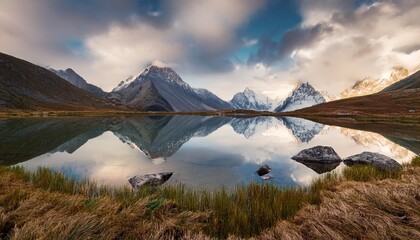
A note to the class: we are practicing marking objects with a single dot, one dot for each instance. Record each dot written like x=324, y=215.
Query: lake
x=203, y=152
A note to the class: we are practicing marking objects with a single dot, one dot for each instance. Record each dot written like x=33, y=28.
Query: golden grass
x=46, y=204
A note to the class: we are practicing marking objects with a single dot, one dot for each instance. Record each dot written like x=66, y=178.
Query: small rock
x=264, y=169
x=378, y=160
x=153, y=179
x=318, y=154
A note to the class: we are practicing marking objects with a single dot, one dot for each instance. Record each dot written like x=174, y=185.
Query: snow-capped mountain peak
x=303, y=96
x=159, y=88
x=249, y=99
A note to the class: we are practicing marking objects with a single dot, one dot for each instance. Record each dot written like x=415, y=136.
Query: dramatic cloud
x=336, y=46
x=272, y=51
x=221, y=45
x=106, y=41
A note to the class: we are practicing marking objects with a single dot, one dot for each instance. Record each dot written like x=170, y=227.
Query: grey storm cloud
x=271, y=51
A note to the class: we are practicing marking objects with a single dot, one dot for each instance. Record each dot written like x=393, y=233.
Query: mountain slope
x=410, y=82
x=372, y=85
x=401, y=99
x=303, y=96
x=161, y=89
x=25, y=86
x=211, y=99
x=72, y=77
x=250, y=100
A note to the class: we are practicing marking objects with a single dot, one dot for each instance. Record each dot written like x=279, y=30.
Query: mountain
x=250, y=100
x=373, y=85
x=303, y=96
x=411, y=82
x=72, y=77
x=401, y=99
x=26, y=86
x=161, y=89
x=211, y=99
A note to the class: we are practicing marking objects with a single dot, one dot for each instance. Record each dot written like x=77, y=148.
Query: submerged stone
x=153, y=179
x=378, y=160
x=318, y=154
x=264, y=169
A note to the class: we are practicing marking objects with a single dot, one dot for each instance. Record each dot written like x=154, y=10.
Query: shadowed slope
x=25, y=86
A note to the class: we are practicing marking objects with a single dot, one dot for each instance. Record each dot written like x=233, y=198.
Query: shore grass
x=32, y=203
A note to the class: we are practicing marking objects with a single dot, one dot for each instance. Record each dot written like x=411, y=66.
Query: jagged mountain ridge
x=161, y=89
x=410, y=82
x=303, y=96
x=72, y=77
x=250, y=100
x=373, y=85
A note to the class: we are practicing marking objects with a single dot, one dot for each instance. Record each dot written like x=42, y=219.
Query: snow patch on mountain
x=303, y=96
x=162, y=89
x=250, y=100
x=371, y=85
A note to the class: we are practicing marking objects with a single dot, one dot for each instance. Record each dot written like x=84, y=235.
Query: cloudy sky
x=224, y=46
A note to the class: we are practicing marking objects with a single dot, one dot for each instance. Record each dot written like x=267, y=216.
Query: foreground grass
x=46, y=204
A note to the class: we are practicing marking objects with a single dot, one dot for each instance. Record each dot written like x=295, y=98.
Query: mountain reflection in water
x=201, y=151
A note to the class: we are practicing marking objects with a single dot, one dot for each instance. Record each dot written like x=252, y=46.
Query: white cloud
x=365, y=42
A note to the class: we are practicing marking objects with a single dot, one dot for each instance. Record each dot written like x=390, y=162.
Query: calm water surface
x=203, y=152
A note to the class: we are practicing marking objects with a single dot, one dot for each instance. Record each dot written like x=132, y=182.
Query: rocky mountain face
x=250, y=100
x=410, y=82
x=26, y=86
x=303, y=96
x=373, y=85
x=72, y=77
x=161, y=89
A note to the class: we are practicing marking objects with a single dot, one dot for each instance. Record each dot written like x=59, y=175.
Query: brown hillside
x=26, y=86
x=399, y=103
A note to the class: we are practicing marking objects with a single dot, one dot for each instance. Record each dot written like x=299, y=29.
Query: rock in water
x=380, y=161
x=264, y=169
x=318, y=154
x=153, y=179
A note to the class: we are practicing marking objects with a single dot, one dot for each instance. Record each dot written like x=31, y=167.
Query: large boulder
x=378, y=160
x=153, y=179
x=318, y=154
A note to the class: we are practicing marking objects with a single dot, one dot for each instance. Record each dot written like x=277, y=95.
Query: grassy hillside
x=25, y=86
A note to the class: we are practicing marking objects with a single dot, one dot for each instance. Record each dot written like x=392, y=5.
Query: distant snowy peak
x=250, y=100
x=371, y=85
x=303, y=96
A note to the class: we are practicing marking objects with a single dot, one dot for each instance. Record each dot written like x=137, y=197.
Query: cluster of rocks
x=324, y=159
